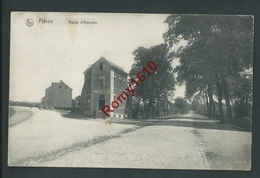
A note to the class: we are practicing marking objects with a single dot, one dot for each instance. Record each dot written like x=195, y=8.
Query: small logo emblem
x=29, y=22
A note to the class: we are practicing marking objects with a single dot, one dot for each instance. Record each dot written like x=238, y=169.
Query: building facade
x=58, y=95
x=103, y=82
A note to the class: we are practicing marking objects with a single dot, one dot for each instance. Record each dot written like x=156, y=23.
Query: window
x=102, y=81
x=101, y=96
x=124, y=83
x=101, y=66
x=114, y=82
x=59, y=86
x=119, y=84
x=114, y=97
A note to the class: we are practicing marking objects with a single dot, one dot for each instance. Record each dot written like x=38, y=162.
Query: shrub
x=243, y=115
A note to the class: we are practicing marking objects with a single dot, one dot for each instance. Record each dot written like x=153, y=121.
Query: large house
x=103, y=82
x=58, y=95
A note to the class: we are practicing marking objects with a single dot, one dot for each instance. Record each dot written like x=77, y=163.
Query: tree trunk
x=157, y=104
x=139, y=104
x=129, y=107
x=214, y=109
x=157, y=109
x=220, y=100
x=145, y=113
x=226, y=97
x=150, y=109
x=153, y=111
x=163, y=107
x=167, y=108
x=207, y=101
x=211, y=100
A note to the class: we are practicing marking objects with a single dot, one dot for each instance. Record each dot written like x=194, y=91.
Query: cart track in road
x=28, y=141
x=188, y=141
x=80, y=145
x=75, y=147
x=151, y=147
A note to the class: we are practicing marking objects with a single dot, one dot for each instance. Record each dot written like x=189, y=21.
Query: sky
x=63, y=49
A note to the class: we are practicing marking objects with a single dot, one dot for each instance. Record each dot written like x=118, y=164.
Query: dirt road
x=47, y=135
x=182, y=142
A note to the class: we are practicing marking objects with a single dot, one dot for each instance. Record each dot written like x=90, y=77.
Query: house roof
x=55, y=84
x=113, y=66
x=63, y=83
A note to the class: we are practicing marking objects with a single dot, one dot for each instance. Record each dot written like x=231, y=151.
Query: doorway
x=101, y=102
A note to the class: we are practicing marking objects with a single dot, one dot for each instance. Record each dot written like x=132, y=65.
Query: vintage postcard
x=142, y=91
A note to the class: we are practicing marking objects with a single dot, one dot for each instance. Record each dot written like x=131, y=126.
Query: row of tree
x=217, y=61
x=198, y=106
x=24, y=103
x=151, y=97
x=215, y=66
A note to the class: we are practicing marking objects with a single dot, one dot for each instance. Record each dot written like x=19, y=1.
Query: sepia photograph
x=131, y=90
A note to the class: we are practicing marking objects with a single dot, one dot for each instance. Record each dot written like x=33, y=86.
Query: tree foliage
x=24, y=103
x=181, y=105
x=219, y=49
x=78, y=99
x=158, y=85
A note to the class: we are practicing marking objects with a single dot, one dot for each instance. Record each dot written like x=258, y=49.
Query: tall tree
x=158, y=82
x=218, y=47
x=181, y=105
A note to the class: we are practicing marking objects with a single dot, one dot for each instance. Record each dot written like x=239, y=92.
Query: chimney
x=52, y=83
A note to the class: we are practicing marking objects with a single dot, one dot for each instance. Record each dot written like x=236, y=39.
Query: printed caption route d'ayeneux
x=129, y=90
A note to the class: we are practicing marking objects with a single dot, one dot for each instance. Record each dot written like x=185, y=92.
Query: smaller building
x=58, y=95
